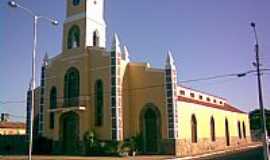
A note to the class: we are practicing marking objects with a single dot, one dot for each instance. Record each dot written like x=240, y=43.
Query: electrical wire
x=219, y=77
x=209, y=78
x=17, y=116
x=11, y=102
x=159, y=85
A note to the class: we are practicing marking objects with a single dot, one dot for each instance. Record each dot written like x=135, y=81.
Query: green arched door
x=70, y=133
x=150, y=122
x=150, y=118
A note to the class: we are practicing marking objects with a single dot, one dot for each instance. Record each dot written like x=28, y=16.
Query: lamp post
x=258, y=69
x=36, y=17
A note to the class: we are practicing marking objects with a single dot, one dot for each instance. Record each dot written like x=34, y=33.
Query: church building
x=89, y=86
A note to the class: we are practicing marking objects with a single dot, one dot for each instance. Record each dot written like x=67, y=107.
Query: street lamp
x=263, y=120
x=36, y=17
x=12, y=4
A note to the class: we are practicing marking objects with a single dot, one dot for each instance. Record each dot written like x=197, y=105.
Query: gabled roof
x=13, y=125
x=203, y=92
x=225, y=106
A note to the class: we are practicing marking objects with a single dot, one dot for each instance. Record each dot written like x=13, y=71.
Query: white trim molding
x=75, y=17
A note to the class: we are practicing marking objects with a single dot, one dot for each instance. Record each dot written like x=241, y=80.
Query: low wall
x=13, y=145
x=184, y=147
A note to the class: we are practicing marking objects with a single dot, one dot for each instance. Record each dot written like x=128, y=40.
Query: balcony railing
x=72, y=104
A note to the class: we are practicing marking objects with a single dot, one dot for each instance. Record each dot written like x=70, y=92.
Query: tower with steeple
x=84, y=25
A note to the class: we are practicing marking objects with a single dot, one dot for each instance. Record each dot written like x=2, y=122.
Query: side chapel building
x=87, y=87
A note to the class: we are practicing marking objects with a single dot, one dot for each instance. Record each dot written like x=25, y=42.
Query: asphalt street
x=253, y=154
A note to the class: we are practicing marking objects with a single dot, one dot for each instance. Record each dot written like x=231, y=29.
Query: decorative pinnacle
x=126, y=54
x=45, y=59
x=116, y=44
x=170, y=60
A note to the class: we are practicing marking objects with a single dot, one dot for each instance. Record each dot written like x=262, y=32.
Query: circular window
x=76, y=2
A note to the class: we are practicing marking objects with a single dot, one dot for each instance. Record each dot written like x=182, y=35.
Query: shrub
x=138, y=142
x=92, y=145
x=133, y=144
x=111, y=148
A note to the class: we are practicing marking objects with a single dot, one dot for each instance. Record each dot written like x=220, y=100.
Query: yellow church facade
x=89, y=87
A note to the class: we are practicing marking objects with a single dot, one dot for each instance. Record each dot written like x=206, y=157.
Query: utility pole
x=263, y=119
x=36, y=17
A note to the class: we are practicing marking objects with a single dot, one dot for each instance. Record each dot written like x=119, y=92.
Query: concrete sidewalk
x=146, y=157
x=85, y=158
x=219, y=153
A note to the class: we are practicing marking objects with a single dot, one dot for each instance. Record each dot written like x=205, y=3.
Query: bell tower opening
x=84, y=25
x=96, y=39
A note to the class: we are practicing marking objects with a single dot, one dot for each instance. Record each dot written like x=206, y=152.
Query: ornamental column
x=116, y=88
x=171, y=96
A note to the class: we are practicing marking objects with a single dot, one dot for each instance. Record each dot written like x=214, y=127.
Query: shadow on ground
x=254, y=154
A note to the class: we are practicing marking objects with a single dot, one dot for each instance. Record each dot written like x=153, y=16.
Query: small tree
x=133, y=144
x=138, y=139
x=255, y=120
x=92, y=145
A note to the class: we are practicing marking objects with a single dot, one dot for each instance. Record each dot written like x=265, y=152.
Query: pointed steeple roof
x=45, y=59
x=170, y=60
x=116, y=44
x=126, y=54
x=30, y=86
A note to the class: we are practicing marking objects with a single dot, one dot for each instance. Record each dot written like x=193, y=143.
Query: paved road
x=84, y=158
x=253, y=154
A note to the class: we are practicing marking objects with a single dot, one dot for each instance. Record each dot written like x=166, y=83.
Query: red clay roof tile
x=225, y=106
x=12, y=125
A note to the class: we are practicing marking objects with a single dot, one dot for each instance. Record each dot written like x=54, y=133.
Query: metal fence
x=13, y=145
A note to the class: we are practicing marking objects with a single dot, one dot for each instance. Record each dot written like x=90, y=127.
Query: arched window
x=95, y=39
x=53, y=105
x=244, y=130
x=99, y=102
x=239, y=130
x=53, y=98
x=76, y=2
x=213, y=129
x=227, y=132
x=72, y=87
x=74, y=37
x=194, y=134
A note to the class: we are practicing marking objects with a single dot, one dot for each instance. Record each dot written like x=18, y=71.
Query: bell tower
x=84, y=25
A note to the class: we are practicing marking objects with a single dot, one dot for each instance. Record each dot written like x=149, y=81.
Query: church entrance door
x=70, y=133
x=151, y=129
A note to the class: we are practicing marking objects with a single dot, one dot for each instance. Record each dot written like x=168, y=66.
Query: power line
x=209, y=78
x=17, y=116
x=184, y=81
x=159, y=85
x=219, y=77
x=11, y=102
x=263, y=74
x=264, y=57
x=219, y=82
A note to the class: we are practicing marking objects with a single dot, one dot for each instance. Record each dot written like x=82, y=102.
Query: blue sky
x=207, y=38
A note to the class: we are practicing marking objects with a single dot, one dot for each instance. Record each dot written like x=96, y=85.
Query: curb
x=217, y=153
